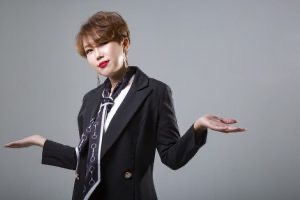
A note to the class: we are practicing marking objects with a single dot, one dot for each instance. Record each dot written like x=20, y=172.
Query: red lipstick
x=103, y=64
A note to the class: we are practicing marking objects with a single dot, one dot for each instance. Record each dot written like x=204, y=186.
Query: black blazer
x=145, y=121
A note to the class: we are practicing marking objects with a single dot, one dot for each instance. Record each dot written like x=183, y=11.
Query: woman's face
x=107, y=59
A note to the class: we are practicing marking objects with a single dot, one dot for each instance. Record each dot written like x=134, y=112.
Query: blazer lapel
x=137, y=94
x=96, y=101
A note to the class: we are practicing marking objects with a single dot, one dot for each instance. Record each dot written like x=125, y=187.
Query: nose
x=98, y=53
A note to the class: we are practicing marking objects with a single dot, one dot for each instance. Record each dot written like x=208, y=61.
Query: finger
x=8, y=144
x=16, y=144
x=218, y=125
x=11, y=145
x=228, y=129
x=234, y=129
x=224, y=120
x=216, y=117
x=229, y=121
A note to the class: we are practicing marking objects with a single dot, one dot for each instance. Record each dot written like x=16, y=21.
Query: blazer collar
x=140, y=81
x=137, y=93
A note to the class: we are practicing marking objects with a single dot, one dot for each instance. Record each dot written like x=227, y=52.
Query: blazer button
x=128, y=175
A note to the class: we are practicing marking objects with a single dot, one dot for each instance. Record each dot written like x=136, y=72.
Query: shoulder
x=159, y=85
x=161, y=90
x=143, y=80
x=92, y=93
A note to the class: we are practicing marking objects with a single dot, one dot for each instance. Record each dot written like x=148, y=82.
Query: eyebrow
x=86, y=46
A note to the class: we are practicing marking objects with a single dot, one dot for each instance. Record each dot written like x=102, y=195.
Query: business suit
x=145, y=121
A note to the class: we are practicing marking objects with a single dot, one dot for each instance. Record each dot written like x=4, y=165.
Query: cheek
x=118, y=56
x=120, y=59
x=116, y=51
x=90, y=60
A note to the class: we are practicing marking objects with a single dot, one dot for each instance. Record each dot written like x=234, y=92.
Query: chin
x=104, y=72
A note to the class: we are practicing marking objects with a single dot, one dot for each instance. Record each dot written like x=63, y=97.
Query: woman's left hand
x=217, y=124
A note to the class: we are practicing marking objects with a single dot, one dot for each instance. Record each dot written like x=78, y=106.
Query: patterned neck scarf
x=91, y=138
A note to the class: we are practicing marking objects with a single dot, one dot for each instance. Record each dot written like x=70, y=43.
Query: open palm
x=218, y=124
x=26, y=142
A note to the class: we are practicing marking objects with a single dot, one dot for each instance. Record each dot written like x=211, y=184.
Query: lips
x=103, y=64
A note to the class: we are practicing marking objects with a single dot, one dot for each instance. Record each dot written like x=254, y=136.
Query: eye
x=87, y=51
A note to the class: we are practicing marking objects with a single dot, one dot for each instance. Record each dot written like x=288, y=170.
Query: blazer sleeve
x=175, y=151
x=59, y=155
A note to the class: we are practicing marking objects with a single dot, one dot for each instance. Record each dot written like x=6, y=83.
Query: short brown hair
x=102, y=27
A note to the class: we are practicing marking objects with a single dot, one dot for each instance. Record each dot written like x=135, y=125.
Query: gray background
x=235, y=59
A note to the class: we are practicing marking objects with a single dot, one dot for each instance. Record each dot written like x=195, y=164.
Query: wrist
x=39, y=140
x=198, y=127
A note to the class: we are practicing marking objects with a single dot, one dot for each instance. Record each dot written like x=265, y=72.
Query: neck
x=117, y=77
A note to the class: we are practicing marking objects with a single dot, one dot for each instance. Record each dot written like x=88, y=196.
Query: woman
x=122, y=122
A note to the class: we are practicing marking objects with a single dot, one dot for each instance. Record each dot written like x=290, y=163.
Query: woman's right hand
x=27, y=142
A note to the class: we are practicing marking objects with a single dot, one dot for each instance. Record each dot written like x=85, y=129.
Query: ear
x=125, y=44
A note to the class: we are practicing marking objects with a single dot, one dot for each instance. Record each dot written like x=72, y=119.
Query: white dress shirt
x=117, y=103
